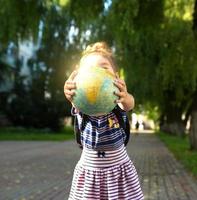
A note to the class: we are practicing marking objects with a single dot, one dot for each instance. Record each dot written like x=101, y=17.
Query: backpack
x=116, y=111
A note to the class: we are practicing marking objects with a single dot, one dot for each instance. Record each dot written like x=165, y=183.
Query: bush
x=37, y=113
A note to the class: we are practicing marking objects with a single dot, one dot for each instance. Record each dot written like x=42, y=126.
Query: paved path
x=43, y=170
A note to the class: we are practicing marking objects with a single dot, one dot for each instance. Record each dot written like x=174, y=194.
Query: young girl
x=104, y=171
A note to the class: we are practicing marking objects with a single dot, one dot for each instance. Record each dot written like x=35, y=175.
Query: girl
x=104, y=171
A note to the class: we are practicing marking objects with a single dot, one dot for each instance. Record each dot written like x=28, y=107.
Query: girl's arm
x=126, y=100
x=70, y=86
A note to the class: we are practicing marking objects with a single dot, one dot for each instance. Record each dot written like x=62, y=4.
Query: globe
x=94, y=93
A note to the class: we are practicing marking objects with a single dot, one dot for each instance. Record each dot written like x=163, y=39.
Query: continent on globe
x=95, y=91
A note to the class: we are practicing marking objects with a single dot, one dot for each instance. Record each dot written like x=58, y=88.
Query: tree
x=177, y=74
x=146, y=36
x=41, y=102
x=193, y=107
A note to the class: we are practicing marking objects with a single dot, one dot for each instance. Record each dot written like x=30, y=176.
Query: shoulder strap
x=77, y=132
x=124, y=125
x=78, y=129
x=119, y=116
x=127, y=131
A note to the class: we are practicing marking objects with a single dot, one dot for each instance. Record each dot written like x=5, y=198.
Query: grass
x=18, y=133
x=180, y=148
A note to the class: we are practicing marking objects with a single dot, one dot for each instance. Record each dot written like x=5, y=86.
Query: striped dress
x=104, y=171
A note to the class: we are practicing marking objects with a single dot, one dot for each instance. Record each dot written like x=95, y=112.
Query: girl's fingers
x=72, y=76
x=69, y=92
x=120, y=86
x=119, y=94
x=117, y=75
x=119, y=100
x=70, y=85
x=121, y=82
x=70, y=82
x=69, y=97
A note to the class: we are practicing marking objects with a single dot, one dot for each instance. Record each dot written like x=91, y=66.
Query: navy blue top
x=101, y=132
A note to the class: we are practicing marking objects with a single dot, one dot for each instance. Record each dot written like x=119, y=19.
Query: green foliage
x=31, y=108
x=179, y=9
x=136, y=43
x=178, y=66
x=19, y=19
x=4, y=71
x=151, y=111
x=152, y=40
x=84, y=12
x=158, y=53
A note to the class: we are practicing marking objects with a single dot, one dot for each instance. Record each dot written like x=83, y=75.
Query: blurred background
x=154, y=43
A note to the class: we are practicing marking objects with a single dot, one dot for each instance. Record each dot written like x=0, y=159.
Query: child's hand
x=126, y=100
x=122, y=93
x=70, y=86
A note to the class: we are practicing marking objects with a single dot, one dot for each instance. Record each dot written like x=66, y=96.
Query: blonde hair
x=103, y=49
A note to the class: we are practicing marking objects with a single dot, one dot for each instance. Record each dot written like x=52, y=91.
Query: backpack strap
x=125, y=125
x=127, y=131
x=78, y=129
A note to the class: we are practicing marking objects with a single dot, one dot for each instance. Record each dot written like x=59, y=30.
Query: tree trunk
x=172, y=113
x=173, y=123
x=193, y=131
x=174, y=128
x=193, y=124
x=194, y=27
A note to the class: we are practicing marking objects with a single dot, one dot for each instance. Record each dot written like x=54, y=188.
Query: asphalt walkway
x=43, y=170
